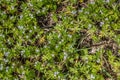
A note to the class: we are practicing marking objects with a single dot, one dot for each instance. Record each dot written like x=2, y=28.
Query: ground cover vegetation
x=60, y=39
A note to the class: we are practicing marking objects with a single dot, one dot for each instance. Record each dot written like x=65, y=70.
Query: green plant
x=58, y=39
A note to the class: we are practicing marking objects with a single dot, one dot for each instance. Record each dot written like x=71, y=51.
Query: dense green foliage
x=59, y=40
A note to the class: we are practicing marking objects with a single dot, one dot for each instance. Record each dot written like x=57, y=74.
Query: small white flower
x=12, y=67
x=92, y=2
x=81, y=10
x=92, y=76
x=37, y=50
x=65, y=55
x=30, y=31
x=3, y=48
x=1, y=35
x=64, y=17
x=22, y=52
x=6, y=53
x=45, y=46
x=11, y=17
x=74, y=12
x=71, y=22
x=27, y=37
x=98, y=61
x=52, y=55
x=36, y=63
x=56, y=46
x=101, y=12
x=70, y=36
x=106, y=19
x=21, y=16
x=59, y=36
x=89, y=26
x=8, y=40
x=20, y=27
x=16, y=79
x=86, y=59
x=12, y=7
x=31, y=15
x=49, y=42
x=30, y=4
x=44, y=9
x=101, y=24
x=38, y=12
x=56, y=73
x=59, y=78
x=107, y=1
x=5, y=60
x=1, y=66
x=35, y=27
x=4, y=12
x=21, y=67
x=7, y=68
x=86, y=12
x=60, y=42
x=23, y=72
x=60, y=16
